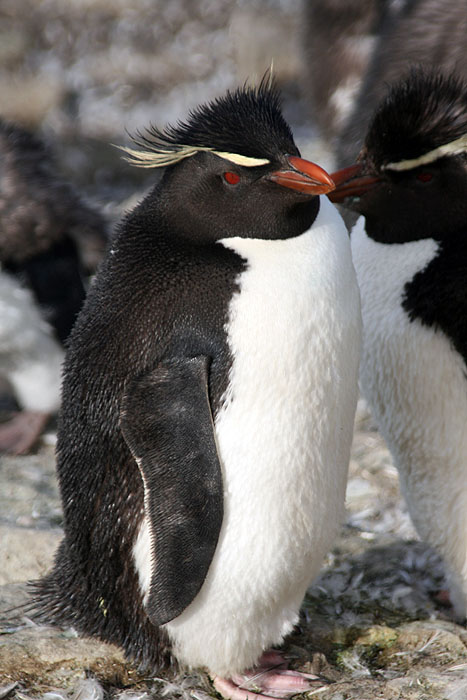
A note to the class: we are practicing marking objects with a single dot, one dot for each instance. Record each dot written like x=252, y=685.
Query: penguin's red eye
x=424, y=177
x=232, y=178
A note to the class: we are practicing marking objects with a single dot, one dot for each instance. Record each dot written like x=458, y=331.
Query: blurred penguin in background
x=354, y=50
x=50, y=241
x=422, y=33
x=339, y=40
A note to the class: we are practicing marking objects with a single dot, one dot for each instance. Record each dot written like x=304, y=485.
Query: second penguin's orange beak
x=303, y=176
x=351, y=182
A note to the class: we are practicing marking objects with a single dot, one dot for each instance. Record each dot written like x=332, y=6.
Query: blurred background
x=81, y=73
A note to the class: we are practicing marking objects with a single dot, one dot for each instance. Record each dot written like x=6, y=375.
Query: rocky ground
x=371, y=626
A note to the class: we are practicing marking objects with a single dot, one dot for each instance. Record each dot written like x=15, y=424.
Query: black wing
x=167, y=423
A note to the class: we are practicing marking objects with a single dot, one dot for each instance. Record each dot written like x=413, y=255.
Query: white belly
x=283, y=436
x=416, y=384
x=30, y=356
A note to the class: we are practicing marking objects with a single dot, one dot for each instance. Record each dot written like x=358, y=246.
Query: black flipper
x=167, y=423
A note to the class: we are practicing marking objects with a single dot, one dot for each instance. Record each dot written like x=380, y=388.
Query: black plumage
x=245, y=121
x=423, y=111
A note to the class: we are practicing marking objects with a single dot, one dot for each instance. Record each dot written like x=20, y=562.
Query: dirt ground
x=371, y=626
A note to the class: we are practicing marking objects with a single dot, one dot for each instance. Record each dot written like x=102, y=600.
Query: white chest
x=411, y=373
x=416, y=384
x=289, y=330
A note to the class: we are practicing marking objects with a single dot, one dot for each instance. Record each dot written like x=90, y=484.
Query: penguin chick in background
x=49, y=240
x=208, y=400
x=410, y=252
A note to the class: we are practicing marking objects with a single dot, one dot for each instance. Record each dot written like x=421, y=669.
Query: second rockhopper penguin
x=410, y=253
x=208, y=403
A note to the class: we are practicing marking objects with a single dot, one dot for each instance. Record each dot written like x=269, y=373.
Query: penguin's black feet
x=270, y=679
x=20, y=433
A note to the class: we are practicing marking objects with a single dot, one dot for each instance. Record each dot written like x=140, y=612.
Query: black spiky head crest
x=247, y=121
x=423, y=117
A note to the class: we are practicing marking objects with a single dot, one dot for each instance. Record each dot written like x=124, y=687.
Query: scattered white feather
x=88, y=689
x=5, y=690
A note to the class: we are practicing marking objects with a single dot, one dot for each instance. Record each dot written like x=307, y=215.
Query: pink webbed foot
x=20, y=433
x=270, y=679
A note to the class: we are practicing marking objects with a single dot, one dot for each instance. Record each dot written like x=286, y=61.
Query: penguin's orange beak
x=303, y=176
x=351, y=183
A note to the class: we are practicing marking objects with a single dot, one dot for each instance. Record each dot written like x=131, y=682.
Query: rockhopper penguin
x=49, y=240
x=208, y=402
x=410, y=253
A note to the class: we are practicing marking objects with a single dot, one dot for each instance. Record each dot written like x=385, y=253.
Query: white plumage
x=30, y=356
x=416, y=384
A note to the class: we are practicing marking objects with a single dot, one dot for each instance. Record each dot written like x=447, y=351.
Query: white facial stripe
x=162, y=157
x=159, y=159
x=238, y=159
x=453, y=148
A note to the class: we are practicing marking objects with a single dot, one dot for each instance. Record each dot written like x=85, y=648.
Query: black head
x=232, y=169
x=247, y=121
x=411, y=180
x=422, y=112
